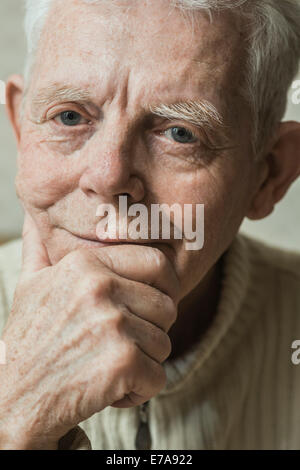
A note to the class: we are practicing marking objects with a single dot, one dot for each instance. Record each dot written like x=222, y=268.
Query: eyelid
x=202, y=140
x=197, y=138
x=184, y=127
x=58, y=116
x=64, y=107
x=167, y=124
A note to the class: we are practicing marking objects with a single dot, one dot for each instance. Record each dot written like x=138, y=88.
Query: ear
x=277, y=171
x=14, y=95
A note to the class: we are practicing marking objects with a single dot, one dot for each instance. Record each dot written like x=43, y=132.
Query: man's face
x=109, y=65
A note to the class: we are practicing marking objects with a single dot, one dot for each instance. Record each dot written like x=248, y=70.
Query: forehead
x=159, y=49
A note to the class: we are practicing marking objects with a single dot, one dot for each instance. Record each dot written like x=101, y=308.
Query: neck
x=196, y=312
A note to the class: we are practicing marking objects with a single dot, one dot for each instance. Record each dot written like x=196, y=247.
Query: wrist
x=17, y=434
x=24, y=442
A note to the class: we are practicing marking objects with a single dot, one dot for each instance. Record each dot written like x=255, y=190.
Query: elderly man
x=145, y=344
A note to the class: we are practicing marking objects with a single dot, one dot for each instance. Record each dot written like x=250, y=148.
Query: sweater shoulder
x=272, y=259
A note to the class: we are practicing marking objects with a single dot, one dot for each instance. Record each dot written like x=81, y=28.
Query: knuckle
x=106, y=285
x=117, y=322
x=159, y=258
x=99, y=285
x=76, y=258
x=88, y=286
x=105, y=256
x=166, y=347
x=157, y=301
x=171, y=310
x=129, y=354
x=167, y=307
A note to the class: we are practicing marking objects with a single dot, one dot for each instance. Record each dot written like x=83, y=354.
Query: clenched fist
x=86, y=333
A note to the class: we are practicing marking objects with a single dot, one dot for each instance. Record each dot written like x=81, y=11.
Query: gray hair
x=272, y=53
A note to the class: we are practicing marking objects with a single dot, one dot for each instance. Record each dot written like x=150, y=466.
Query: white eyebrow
x=61, y=94
x=52, y=93
x=200, y=113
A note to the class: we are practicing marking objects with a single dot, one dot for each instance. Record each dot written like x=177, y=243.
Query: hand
x=84, y=334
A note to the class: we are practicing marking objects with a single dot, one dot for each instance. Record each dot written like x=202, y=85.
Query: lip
x=114, y=241
x=106, y=241
x=91, y=240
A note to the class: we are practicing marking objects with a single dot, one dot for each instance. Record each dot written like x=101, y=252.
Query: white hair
x=272, y=52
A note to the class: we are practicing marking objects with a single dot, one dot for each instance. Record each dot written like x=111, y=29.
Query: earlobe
x=14, y=95
x=261, y=203
x=283, y=163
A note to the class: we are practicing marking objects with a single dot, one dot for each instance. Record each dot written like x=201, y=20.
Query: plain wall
x=281, y=228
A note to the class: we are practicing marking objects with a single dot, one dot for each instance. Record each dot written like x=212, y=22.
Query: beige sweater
x=237, y=388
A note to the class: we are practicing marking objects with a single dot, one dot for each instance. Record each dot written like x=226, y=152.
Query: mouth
x=92, y=241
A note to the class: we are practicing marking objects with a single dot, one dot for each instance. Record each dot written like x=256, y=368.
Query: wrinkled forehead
x=158, y=44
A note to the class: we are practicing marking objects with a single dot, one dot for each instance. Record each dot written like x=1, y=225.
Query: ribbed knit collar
x=235, y=279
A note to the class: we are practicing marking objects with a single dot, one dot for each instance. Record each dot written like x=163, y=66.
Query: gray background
x=281, y=228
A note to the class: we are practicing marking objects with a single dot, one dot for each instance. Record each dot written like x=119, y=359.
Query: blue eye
x=70, y=118
x=182, y=135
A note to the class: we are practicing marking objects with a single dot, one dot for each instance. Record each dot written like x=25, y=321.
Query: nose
x=110, y=174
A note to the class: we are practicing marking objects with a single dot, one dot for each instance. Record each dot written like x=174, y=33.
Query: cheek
x=221, y=187
x=43, y=177
x=224, y=195
x=225, y=202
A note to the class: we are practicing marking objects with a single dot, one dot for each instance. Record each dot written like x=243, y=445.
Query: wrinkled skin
x=108, y=310
x=126, y=65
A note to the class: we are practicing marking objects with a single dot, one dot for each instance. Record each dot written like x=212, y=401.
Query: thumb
x=34, y=255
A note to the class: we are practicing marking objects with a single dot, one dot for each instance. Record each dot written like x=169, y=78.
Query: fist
x=87, y=333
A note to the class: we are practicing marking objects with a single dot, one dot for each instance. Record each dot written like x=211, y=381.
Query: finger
x=34, y=253
x=142, y=263
x=148, y=378
x=154, y=342
x=148, y=303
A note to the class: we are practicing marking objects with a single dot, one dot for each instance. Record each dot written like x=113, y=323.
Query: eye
x=70, y=118
x=180, y=135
